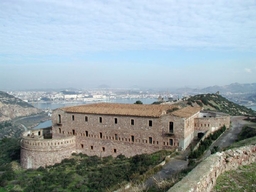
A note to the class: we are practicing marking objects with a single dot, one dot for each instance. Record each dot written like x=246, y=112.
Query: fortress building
x=105, y=129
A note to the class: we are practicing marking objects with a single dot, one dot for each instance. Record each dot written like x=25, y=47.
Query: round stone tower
x=38, y=149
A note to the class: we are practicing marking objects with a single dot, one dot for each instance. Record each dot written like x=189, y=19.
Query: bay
x=44, y=124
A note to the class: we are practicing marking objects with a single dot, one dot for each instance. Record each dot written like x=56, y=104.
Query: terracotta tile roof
x=128, y=109
x=186, y=111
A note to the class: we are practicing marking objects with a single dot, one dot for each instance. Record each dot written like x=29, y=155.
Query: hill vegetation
x=219, y=103
x=80, y=173
x=242, y=179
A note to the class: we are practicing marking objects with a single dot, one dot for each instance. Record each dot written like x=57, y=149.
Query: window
x=59, y=119
x=132, y=138
x=73, y=117
x=171, y=141
x=132, y=121
x=150, y=123
x=103, y=149
x=116, y=138
x=114, y=150
x=115, y=120
x=91, y=147
x=150, y=140
x=100, y=119
x=170, y=127
x=86, y=133
x=100, y=135
x=82, y=146
x=73, y=132
x=85, y=118
x=59, y=130
x=39, y=133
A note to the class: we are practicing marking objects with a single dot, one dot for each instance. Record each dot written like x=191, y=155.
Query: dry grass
x=240, y=180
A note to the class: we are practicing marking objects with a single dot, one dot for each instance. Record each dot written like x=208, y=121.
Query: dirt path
x=179, y=163
x=230, y=135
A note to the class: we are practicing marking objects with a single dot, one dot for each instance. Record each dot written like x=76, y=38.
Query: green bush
x=246, y=133
x=206, y=143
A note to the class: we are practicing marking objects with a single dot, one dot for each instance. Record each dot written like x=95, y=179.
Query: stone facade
x=111, y=129
x=114, y=134
x=204, y=176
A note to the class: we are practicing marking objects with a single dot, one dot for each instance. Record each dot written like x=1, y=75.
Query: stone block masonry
x=203, y=177
x=105, y=129
x=37, y=151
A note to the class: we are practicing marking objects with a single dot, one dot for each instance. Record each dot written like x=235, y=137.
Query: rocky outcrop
x=204, y=176
x=12, y=107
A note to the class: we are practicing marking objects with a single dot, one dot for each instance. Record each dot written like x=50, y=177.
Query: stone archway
x=200, y=135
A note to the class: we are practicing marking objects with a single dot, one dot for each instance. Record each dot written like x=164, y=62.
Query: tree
x=138, y=102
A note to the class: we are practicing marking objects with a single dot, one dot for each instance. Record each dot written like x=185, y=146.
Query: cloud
x=66, y=27
x=247, y=70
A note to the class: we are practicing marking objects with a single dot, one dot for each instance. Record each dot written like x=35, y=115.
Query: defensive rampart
x=211, y=121
x=37, y=151
x=204, y=176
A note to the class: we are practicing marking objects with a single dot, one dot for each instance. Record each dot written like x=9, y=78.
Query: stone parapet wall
x=36, y=152
x=203, y=177
x=47, y=144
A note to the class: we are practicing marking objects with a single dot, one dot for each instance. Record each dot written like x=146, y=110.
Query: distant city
x=243, y=94
x=93, y=96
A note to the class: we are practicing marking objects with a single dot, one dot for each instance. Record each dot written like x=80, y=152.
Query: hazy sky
x=148, y=43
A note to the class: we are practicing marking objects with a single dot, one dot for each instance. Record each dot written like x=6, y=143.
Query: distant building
x=105, y=129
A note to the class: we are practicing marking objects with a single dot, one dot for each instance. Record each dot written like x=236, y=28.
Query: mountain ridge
x=219, y=103
x=12, y=107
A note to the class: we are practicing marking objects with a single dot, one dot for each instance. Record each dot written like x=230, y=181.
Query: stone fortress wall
x=105, y=135
x=38, y=151
x=203, y=177
x=116, y=135
x=210, y=121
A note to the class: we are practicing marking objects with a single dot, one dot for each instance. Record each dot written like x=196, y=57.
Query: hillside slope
x=217, y=102
x=12, y=107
